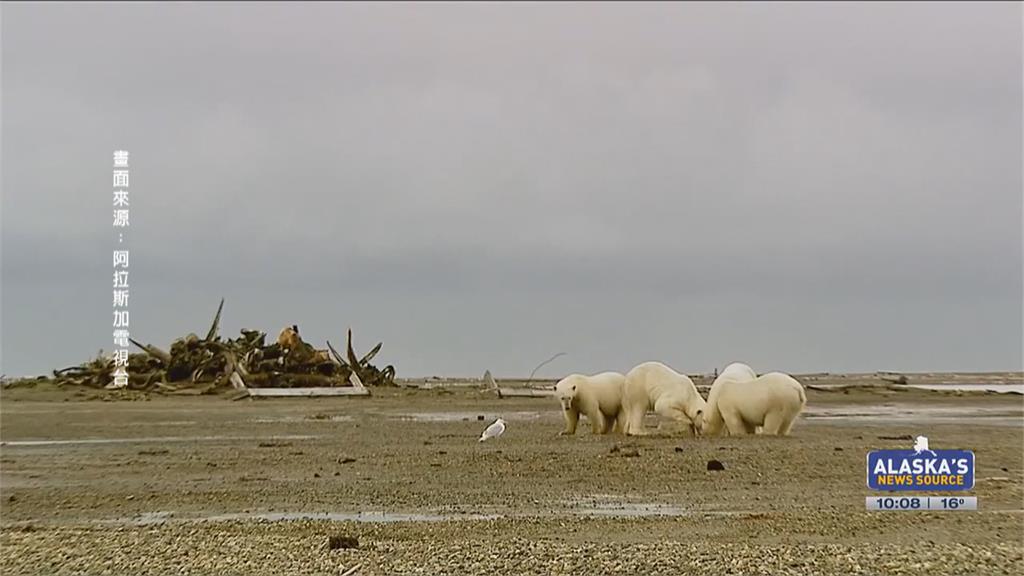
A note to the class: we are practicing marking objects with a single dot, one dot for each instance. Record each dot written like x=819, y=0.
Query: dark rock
x=679, y=448
x=346, y=460
x=715, y=465
x=316, y=475
x=339, y=542
x=480, y=418
x=901, y=437
x=625, y=451
x=838, y=449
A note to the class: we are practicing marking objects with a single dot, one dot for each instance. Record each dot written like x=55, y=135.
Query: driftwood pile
x=204, y=365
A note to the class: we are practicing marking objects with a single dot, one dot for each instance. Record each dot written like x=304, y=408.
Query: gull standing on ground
x=494, y=430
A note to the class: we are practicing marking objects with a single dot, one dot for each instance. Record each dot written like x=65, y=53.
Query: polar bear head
x=693, y=410
x=289, y=337
x=697, y=422
x=565, y=391
x=685, y=409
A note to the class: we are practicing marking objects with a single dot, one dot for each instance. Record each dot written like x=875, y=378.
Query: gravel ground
x=516, y=546
x=142, y=494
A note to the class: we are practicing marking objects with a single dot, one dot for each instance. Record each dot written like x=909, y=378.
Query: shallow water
x=997, y=387
x=308, y=418
x=613, y=506
x=149, y=439
x=604, y=509
x=982, y=415
x=156, y=518
x=349, y=516
x=1001, y=388
x=487, y=417
x=144, y=424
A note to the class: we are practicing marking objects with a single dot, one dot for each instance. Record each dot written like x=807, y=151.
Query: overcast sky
x=802, y=187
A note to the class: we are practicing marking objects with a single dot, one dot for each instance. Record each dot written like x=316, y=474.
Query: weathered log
x=353, y=378
x=353, y=362
x=153, y=351
x=232, y=364
x=307, y=391
x=369, y=355
x=216, y=323
x=217, y=362
x=538, y=367
x=337, y=356
x=289, y=380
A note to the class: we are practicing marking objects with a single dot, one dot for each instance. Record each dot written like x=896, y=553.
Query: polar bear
x=736, y=371
x=655, y=386
x=289, y=337
x=739, y=372
x=773, y=401
x=289, y=340
x=598, y=397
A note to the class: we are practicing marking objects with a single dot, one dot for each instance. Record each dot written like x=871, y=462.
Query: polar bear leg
x=572, y=418
x=787, y=424
x=597, y=421
x=735, y=424
x=634, y=420
x=609, y=424
x=773, y=422
x=620, y=423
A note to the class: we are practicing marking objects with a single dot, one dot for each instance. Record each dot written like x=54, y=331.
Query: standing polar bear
x=773, y=401
x=655, y=386
x=739, y=372
x=598, y=397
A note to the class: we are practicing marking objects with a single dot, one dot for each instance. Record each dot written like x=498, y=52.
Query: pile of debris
x=211, y=363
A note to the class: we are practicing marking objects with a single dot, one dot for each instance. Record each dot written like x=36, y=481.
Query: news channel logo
x=920, y=469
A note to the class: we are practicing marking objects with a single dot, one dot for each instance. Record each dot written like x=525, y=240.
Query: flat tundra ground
x=208, y=486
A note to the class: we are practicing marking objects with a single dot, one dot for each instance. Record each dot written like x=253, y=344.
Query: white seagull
x=494, y=430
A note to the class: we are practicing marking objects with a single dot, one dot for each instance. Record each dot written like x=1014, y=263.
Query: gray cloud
x=809, y=187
